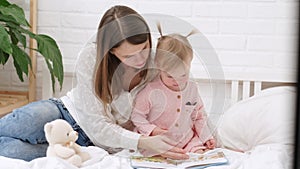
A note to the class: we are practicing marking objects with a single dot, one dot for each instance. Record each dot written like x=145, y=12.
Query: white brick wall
x=247, y=34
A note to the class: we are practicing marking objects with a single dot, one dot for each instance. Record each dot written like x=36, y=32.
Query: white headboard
x=240, y=84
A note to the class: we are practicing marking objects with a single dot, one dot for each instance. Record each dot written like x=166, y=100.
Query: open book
x=196, y=161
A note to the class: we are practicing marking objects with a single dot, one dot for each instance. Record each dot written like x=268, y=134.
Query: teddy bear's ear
x=48, y=127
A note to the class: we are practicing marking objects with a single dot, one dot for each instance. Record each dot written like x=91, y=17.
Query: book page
x=216, y=157
x=212, y=157
x=152, y=162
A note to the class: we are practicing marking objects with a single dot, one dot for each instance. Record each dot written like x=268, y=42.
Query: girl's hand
x=210, y=144
x=158, y=131
x=161, y=145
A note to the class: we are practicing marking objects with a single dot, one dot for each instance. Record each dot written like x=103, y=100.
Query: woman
x=109, y=74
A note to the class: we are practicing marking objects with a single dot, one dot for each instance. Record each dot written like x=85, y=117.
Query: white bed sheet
x=261, y=126
x=262, y=157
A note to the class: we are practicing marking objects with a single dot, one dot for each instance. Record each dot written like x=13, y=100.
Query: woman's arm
x=99, y=125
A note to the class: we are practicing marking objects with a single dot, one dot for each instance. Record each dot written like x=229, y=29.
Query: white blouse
x=104, y=130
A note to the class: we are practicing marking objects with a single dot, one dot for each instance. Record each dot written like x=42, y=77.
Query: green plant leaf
x=20, y=29
x=21, y=38
x=19, y=70
x=4, y=3
x=13, y=25
x=49, y=49
x=13, y=38
x=21, y=58
x=5, y=18
x=16, y=12
x=3, y=57
x=5, y=41
x=52, y=74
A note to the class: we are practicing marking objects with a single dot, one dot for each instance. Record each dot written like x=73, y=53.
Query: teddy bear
x=61, y=138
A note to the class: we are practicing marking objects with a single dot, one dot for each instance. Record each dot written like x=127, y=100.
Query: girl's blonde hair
x=173, y=50
x=119, y=24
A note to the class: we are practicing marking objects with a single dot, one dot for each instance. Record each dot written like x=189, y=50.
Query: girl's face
x=134, y=56
x=175, y=80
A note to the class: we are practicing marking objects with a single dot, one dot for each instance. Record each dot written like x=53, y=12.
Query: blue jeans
x=22, y=131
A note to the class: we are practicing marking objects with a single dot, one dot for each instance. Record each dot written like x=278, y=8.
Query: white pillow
x=266, y=118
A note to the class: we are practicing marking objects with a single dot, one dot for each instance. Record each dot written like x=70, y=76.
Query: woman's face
x=133, y=55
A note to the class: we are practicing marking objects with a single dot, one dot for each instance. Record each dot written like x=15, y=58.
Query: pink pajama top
x=180, y=112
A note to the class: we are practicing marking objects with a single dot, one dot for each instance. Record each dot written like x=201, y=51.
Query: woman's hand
x=161, y=145
x=158, y=131
x=175, y=153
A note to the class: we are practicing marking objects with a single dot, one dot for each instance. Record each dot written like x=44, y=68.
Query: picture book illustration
x=209, y=158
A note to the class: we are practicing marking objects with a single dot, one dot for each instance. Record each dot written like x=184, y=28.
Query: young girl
x=170, y=104
x=110, y=70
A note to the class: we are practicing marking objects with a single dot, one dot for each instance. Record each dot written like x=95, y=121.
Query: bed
x=256, y=130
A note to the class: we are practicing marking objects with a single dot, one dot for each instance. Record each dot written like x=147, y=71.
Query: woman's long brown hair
x=119, y=24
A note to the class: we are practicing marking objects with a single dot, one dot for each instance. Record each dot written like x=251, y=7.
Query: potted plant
x=14, y=34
